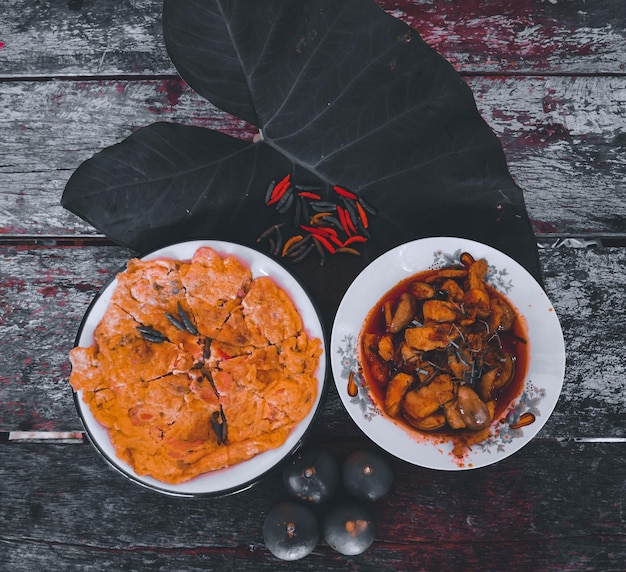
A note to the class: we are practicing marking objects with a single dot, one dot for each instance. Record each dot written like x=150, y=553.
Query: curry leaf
x=342, y=93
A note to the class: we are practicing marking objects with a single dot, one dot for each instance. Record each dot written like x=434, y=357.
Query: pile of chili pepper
x=326, y=226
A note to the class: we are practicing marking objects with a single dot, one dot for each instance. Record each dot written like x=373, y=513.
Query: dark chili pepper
x=308, y=187
x=303, y=254
x=305, y=209
x=284, y=197
x=363, y=231
x=189, y=325
x=320, y=250
x=349, y=250
x=151, y=335
x=148, y=330
x=321, y=206
x=279, y=244
x=345, y=193
x=220, y=426
x=224, y=425
x=333, y=221
x=207, y=374
x=153, y=339
x=270, y=190
x=175, y=322
x=217, y=427
x=298, y=247
x=297, y=213
x=283, y=208
x=269, y=231
x=369, y=208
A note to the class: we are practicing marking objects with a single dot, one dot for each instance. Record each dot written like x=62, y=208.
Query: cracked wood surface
x=563, y=138
x=80, y=37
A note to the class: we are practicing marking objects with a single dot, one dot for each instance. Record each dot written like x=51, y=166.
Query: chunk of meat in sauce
x=422, y=402
x=427, y=338
x=440, y=311
x=396, y=390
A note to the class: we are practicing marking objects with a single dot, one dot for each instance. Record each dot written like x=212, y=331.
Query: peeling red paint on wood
x=529, y=35
x=486, y=36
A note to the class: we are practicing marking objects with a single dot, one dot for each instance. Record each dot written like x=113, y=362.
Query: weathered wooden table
x=550, y=79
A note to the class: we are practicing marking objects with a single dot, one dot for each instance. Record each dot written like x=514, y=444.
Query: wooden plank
x=44, y=293
x=50, y=38
x=564, y=140
x=124, y=38
x=534, y=36
x=551, y=506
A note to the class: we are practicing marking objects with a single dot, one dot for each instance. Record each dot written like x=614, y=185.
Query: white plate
x=242, y=475
x=546, y=367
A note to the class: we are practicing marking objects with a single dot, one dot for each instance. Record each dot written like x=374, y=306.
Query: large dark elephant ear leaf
x=169, y=182
x=357, y=98
x=343, y=93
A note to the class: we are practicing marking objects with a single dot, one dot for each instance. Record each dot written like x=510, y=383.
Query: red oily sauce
x=424, y=365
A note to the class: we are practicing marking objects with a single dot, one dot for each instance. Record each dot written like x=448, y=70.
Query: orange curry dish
x=196, y=366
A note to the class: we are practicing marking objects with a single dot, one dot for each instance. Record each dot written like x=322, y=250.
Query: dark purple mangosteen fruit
x=311, y=475
x=367, y=475
x=349, y=528
x=290, y=531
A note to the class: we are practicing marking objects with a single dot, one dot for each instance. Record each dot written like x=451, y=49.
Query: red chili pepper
x=325, y=243
x=279, y=190
x=308, y=195
x=348, y=222
x=336, y=240
x=222, y=354
x=328, y=230
x=345, y=193
x=362, y=214
x=316, y=230
x=355, y=238
x=343, y=215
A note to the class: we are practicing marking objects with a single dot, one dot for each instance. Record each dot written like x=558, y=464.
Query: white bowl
x=542, y=383
x=243, y=475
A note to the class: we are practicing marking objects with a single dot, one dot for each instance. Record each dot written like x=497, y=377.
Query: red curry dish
x=196, y=366
x=443, y=352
